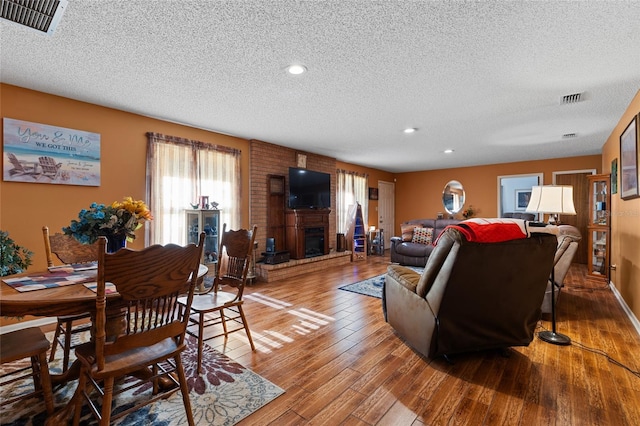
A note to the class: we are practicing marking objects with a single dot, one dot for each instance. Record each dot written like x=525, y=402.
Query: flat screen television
x=309, y=189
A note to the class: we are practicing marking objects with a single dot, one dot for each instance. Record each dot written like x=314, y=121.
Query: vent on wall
x=571, y=99
x=40, y=15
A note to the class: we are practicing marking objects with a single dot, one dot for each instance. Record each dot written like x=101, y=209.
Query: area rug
x=224, y=394
x=372, y=286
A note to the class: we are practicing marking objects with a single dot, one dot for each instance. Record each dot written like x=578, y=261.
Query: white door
x=386, y=210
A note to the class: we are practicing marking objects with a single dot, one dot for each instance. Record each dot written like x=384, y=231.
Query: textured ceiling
x=482, y=78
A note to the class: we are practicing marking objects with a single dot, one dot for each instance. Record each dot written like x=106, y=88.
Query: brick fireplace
x=269, y=159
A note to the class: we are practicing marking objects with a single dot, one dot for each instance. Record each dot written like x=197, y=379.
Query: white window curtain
x=179, y=171
x=352, y=187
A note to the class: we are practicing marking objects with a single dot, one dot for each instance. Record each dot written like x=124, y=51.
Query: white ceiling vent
x=40, y=15
x=571, y=99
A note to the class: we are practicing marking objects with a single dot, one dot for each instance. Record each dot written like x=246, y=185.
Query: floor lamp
x=553, y=200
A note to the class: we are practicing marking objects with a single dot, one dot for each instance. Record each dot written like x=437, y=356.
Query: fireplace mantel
x=301, y=222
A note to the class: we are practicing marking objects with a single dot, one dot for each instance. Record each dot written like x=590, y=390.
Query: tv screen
x=309, y=189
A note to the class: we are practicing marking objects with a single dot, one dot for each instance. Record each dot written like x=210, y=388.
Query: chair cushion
x=422, y=236
x=211, y=301
x=407, y=231
x=414, y=250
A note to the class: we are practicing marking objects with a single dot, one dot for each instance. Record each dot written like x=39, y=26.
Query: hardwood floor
x=340, y=363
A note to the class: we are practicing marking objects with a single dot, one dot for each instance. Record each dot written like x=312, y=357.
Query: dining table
x=55, y=300
x=57, y=291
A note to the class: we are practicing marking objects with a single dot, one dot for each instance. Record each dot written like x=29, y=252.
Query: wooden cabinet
x=209, y=222
x=276, y=225
x=307, y=232
x=356, y=235
x=599, y=225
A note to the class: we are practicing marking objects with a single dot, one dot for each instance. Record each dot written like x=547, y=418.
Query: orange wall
x=419, y=194
x=374, y=176
x=26, y=207
x=625, y=222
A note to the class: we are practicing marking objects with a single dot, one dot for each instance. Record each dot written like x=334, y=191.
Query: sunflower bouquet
x=120, y=219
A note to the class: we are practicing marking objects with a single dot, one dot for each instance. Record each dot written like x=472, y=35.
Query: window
x=352, y=188
x=179, y=171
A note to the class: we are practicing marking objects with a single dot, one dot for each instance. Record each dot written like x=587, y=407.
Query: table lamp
x=553, y=200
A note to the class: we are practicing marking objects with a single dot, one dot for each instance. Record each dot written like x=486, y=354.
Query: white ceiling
x=482, y=78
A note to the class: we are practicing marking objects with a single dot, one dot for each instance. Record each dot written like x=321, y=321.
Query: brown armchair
x=568, y=239
x=471, y=296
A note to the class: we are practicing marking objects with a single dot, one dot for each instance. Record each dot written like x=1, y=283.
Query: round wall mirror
x=453, y=197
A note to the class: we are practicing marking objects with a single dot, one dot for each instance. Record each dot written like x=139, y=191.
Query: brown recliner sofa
x=416, y=254
x=471, y=296
x=568, y=239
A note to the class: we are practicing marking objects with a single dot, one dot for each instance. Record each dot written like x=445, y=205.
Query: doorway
x=577, y=179
x=512, y=191
x=386, y=210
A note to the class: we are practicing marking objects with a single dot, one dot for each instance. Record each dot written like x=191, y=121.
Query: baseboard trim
x=625, y=307
x=31, y=323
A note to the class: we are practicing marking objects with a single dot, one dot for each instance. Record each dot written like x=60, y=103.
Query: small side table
x=376, y=242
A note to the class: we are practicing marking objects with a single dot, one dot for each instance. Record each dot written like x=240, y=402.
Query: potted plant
x=13, y=258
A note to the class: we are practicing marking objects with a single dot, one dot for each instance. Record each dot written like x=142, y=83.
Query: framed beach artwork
x=522, y=198
x=629, y=161
x=40, y=153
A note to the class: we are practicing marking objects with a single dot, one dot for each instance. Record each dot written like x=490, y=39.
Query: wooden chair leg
x=54, y=343
x=224, y=323
x=106, y=401
x=184, y=389
x=45, y=382
x=78, y=398
x=246, y=327
x=200, y=341
x=67, y=345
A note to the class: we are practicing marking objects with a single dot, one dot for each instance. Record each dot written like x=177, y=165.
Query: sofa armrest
x=406, y=277
x=408, y=313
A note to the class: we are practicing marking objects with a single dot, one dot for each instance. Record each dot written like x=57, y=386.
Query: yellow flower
x=121, y=218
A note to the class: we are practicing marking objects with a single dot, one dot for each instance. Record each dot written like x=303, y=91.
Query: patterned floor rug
x=225, y=394
x=371, y=286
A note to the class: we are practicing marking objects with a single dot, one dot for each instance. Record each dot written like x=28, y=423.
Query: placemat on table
x=109, y=288
x=58, y=278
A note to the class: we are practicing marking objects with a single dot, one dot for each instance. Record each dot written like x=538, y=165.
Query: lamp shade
x=552, y=199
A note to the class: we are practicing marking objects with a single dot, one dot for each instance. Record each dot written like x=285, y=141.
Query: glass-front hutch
x=209, y=222
x=599, y=225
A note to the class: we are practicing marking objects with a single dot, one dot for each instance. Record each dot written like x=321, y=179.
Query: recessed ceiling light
x=448, y=151
x=410, y=130
x=296, y=69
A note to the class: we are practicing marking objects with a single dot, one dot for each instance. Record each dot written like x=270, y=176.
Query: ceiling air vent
x=571, y=99
x=40, y=15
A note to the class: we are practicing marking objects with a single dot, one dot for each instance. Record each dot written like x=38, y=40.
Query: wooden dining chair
x=68, y=250
x=231, y=270
x=21, y=344
x=150, y=332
